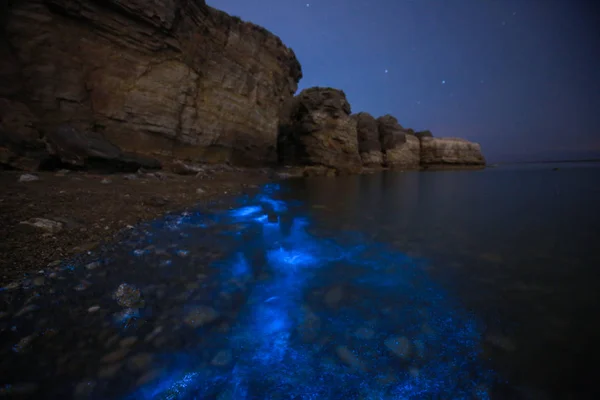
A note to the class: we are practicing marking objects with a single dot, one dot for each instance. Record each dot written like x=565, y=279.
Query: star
x=443, y=82
x=386, y=71
x=418, y=102
x=481, y=81
x=514, y=13
x=307, y=4
x=503, y=23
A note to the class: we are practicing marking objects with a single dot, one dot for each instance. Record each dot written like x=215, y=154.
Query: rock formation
x=172, y=78
x=450, y=152
x=422, y=134
x=316, y=129
x=70, y=147
x=105, y=84
x=369, y=146
x=400, y=149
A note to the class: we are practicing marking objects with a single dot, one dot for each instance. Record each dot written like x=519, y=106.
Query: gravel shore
x=49, y=216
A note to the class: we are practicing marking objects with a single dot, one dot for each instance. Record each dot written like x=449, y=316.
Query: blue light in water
x=282, y=258
x=240, y=266
x=277, y=205
x=245, y=211
x=284, y=341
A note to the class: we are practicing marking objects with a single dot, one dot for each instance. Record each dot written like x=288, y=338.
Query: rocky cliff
x=450, y=152
x=316, y=129
x=369, y=145
x=158, y=77
x=400, y=147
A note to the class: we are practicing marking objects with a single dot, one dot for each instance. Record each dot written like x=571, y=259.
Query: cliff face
x=316, y=129
x=369, y=146
x=405, y=155
x=158, y=77
x=450, y=151
x=399, y=146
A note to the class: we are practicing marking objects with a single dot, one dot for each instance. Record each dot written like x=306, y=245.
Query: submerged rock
x=200, y=316
x=128, y=296
x=348, y=357
x=400, y=346
x=222, y=358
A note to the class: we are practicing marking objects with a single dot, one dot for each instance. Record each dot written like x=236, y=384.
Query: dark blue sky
x=521, y=77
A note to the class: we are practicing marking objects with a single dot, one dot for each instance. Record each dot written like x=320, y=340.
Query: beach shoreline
x=62, y=214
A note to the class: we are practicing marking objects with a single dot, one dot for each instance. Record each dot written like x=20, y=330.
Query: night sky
x=521, y=77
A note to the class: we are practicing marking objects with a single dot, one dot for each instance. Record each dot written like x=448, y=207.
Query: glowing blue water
x=325, y=320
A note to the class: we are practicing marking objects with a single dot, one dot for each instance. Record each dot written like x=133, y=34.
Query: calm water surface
x=401, y=285
x=516, y=245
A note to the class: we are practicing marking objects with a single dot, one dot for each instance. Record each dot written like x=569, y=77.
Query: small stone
x=148, y=377
x=27, y=310
x=105, y=181
x=82, y=286
x=200, y=191
x=400, y=346
x=200, y=315
x=158, y=201
x=130, y=177
x=128, y=341
x=183, y=253
x=23, y=344
x=19, y=389
x=140, y=362
x=62, y=172
x=364, y=333
x=44, y=224
x=115, y=356
x=153, y=334
x=501, y=342
x=128, y=296
x=54, y=263
x=222, y=358
x=92, y=265
x=334, y=296
x=39, y=281
x=84, y=389
x=28, y=178
x=109, y=371
x=12, y=286
x=93, y=309
x=348, y=357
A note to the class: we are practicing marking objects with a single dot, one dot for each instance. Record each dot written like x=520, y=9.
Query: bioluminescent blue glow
x=246, y=211
x=325, y=320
